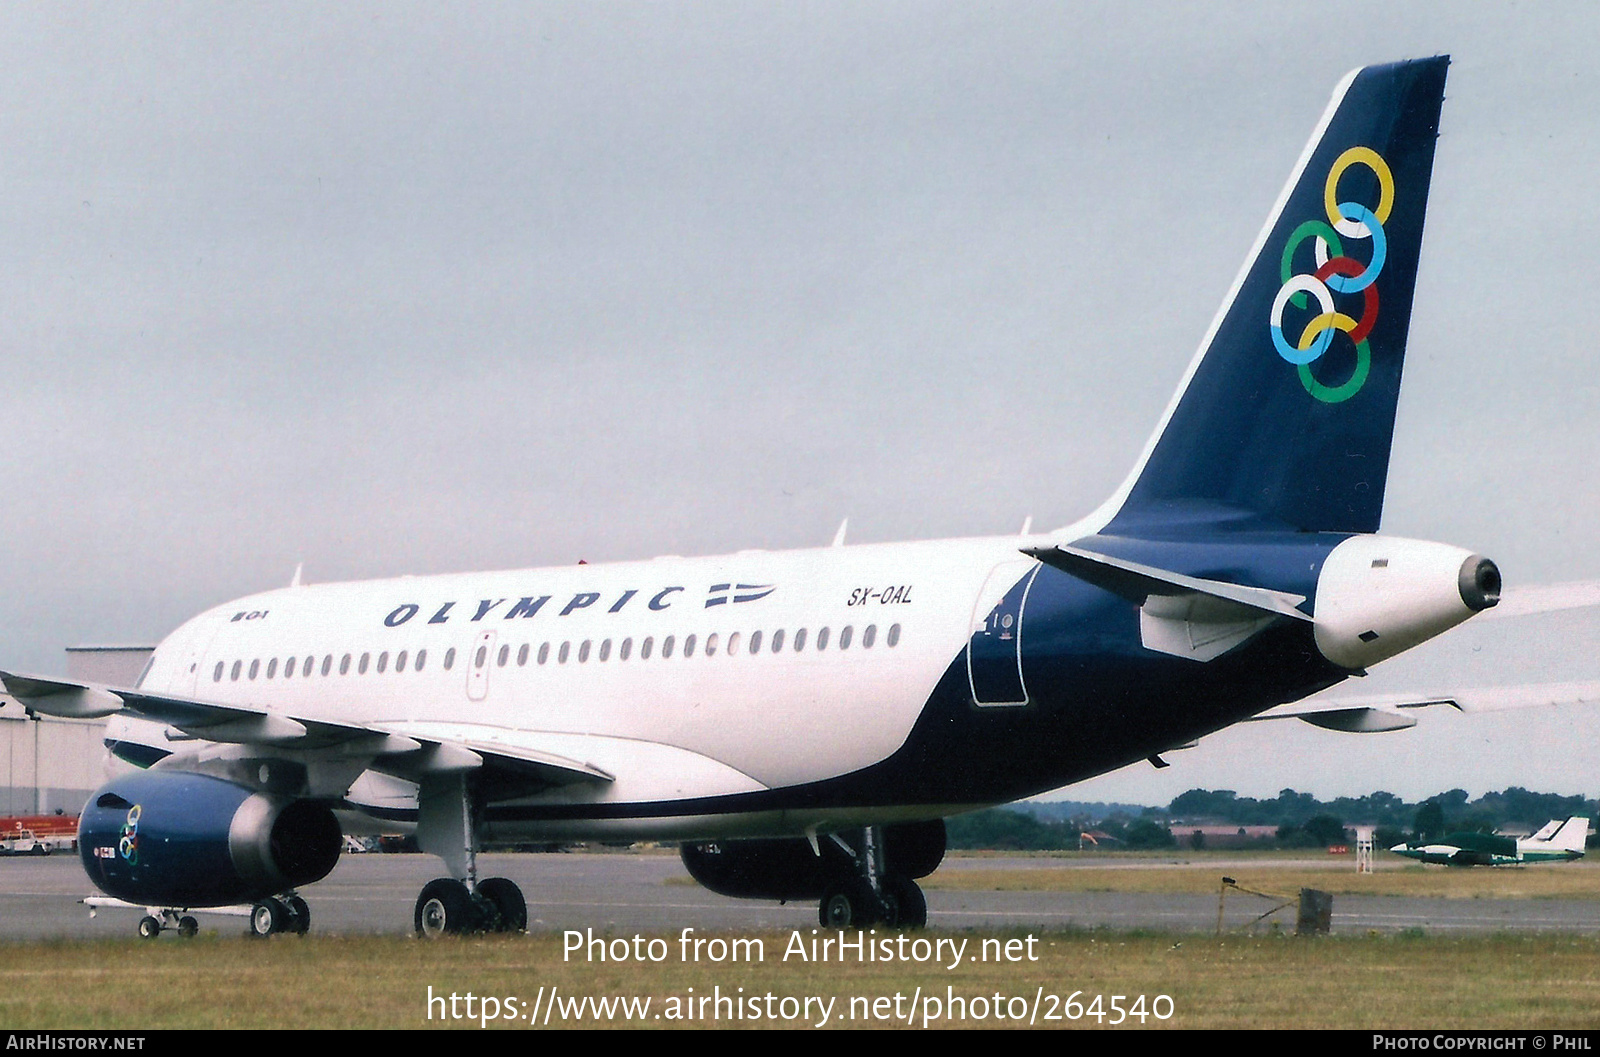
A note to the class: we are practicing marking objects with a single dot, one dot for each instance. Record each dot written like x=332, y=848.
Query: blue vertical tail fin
x=1286, y=416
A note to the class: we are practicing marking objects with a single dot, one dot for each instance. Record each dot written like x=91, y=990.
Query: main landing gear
x=459, y=903
x=449, y=907
x=869, y=894
x=288, y=914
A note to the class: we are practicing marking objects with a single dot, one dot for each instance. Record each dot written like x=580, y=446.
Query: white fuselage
x=682, y=677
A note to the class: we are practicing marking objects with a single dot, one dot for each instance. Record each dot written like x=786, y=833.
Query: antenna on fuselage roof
x=838, y=537
x=1027, y=525
x=294, y=581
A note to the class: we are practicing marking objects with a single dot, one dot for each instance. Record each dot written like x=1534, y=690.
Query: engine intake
x=190, y=840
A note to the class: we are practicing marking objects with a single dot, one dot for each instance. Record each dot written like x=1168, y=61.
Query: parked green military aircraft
x=1557, y=842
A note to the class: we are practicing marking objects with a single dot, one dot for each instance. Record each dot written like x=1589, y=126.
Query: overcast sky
x=385, y=288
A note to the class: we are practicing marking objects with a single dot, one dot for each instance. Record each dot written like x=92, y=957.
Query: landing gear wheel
x=149, y=928
x=509, y=906
x=909, y=907
x=188, y=927
x=299, y=916
x=267, y=917
x=848, y=904
x=445, y=908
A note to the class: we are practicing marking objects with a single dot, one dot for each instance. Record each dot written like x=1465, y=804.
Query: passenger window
x=422, y=658
x=522, y=655
x=400, y=662
x=605, y=650
x=305, y=667
x=894, y=635
x=733, y=643
x=327, y=664
x=216, y=676
x=688, y=646
x=272, y=667
x=361, y=669
x=583, y=652
x=868, y=636
x=288, y=668
x=449, y=658
x=255, y=666
x=344, y=665
x=711, y=644
x=505, y=655
x=777, y=641
x=383, y=662
x=644, y=647
x=564, y=652
x=625, y=649
x=800, y=640
x=822, y=639
x=544, y=652
x=666, y=646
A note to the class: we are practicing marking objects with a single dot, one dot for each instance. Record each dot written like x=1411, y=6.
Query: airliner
x=802, y=722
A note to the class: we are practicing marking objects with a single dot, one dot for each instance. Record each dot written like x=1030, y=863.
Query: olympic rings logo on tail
x=1336, y=273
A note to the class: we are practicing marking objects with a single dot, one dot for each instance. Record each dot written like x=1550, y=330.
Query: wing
x=508, y=762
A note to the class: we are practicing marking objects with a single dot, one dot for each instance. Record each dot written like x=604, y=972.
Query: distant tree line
x=1301, y=815
x=1299, y=819
x=1015, y=829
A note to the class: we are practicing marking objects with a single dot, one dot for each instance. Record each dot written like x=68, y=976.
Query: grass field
x=1391, y=981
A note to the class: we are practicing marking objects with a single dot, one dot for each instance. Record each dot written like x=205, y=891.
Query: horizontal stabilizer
x=1137, y=582
x=1547, y=831
x=1360, y=720
x=1179, y=615
x=1374, y=713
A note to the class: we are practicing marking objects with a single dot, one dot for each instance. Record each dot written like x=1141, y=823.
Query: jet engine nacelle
x=190, y=840
x=787, y=868
x=1378, y=596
